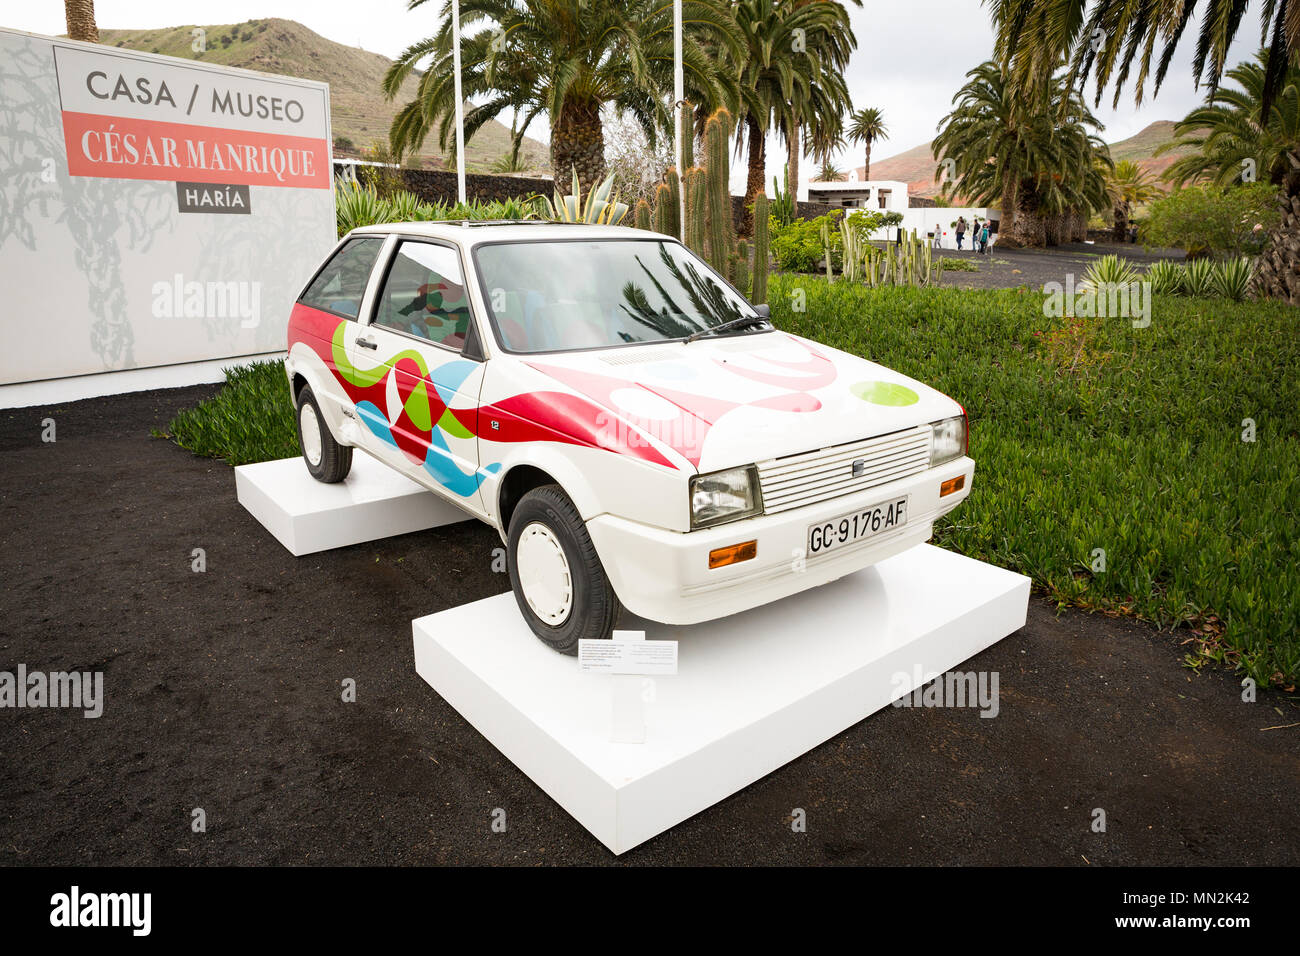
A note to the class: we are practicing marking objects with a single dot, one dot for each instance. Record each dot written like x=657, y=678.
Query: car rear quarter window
x=341, y=284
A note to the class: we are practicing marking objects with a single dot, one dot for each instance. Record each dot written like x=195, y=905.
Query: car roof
x=470, y=233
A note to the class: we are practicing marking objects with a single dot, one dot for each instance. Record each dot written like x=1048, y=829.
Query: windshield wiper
x=736, y=323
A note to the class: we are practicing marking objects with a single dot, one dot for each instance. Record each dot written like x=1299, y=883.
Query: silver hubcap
x=309, y=429
x=544, y=574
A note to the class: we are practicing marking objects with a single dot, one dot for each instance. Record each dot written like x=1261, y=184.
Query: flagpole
x=679, y=95
x=460, y=104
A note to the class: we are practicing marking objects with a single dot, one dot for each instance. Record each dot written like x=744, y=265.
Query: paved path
x=1009, y=268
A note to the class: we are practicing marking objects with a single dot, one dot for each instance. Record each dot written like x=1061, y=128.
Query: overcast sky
x=912, y=54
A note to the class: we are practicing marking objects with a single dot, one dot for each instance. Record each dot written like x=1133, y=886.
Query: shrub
x=356, y=205
x=798, y=247
x=249, y=420
x=1206, y=220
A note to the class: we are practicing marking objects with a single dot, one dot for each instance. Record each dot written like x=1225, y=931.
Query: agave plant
x=1166, y=278
x=1198, y=278
x=405, y=207
x=1232, y=278
x=356, y=205
x=1109, y=271
x=601, y=208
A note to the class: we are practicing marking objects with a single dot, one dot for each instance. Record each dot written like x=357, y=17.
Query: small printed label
x=628, y=652
x=213, y=197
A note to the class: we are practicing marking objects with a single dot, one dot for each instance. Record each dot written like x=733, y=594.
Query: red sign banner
x=123, y=148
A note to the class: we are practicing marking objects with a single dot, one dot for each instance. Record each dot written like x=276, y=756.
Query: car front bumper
x=665, y=576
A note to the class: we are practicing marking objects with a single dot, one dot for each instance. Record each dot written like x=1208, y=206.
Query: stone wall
x=439, y=185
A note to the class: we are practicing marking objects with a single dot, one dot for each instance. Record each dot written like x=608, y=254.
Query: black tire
x=335, y=459
x=595, y=607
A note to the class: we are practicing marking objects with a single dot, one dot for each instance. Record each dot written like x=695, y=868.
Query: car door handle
x=367, y=344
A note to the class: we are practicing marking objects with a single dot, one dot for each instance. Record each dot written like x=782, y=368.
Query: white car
x=638, y=433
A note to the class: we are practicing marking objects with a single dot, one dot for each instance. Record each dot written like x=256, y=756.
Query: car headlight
x=724, y=496
x=948, y=440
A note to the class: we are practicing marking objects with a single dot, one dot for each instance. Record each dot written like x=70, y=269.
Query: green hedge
x=1091, y=434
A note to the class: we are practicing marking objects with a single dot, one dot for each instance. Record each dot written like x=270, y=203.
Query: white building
x=884, y=194
x=890, y=195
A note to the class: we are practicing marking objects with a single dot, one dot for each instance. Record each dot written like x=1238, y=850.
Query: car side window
x=424, y=295
x=339, y=287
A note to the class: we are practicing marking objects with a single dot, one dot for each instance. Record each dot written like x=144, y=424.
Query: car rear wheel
x=326, y=459
x=559, y=583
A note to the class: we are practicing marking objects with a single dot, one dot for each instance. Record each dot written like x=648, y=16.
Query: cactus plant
x=668, y=205
x=642, y=215
x=709, y=229
x=761, y=214
x=695, y=183
x=740, y=266
x=721, y=244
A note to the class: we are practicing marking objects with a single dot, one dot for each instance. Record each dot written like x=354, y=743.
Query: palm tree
x=1033, y=152
x=819, y=114
x=866, y=126
x=830, y=173
x=567, y=59
x=1226, y=141
x=790, y=73
x=1128, y=184
x=1031, y=33
x=80, y=15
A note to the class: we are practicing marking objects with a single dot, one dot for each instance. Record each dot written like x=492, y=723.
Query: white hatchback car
x=638, y=433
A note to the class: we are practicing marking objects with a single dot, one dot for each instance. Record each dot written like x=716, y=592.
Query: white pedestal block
x=306, y=515
x=752, y=692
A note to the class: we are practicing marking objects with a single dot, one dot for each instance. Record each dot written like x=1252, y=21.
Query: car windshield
x=592, y=293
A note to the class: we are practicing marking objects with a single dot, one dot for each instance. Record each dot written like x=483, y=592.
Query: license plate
x=864, y=523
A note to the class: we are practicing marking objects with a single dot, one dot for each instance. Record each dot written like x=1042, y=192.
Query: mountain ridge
x=359, y=113
x=916, y=166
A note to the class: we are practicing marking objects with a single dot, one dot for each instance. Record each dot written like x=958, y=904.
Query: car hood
x=725, y=401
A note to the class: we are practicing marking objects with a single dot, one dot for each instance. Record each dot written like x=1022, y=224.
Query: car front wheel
x=559, y=583
x=326, y=459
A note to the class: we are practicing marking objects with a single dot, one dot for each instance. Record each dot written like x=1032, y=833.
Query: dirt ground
x=223, y=693
x=1008, y=268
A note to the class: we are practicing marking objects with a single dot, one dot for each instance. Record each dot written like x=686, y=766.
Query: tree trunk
x=1028, y=228
x=1120, y=232
x=80, y=15
x=1277, y=273
x=755, y=182
x=1008, y=209
x=1053, y=229
x=578, y=142
x=792, y=160
x=1079, y=226
x=866, y=170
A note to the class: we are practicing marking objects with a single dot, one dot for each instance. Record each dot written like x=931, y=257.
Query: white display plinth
x=307, y=515
x=753, y=691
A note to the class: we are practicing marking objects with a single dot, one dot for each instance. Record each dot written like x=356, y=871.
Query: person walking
x=961, y=231
x=938, y=236
x=984, y=239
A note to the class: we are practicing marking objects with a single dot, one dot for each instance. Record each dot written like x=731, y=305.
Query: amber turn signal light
x=732, y=554
x=951, y=485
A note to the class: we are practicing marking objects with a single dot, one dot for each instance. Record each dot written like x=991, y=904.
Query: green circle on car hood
x=885, y=393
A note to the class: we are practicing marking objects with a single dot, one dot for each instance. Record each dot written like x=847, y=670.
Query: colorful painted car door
x=428, y=410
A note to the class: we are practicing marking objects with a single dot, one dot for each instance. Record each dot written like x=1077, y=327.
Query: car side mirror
x=764, y=311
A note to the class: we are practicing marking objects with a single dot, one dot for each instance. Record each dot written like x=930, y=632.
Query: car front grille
x=813, y=476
